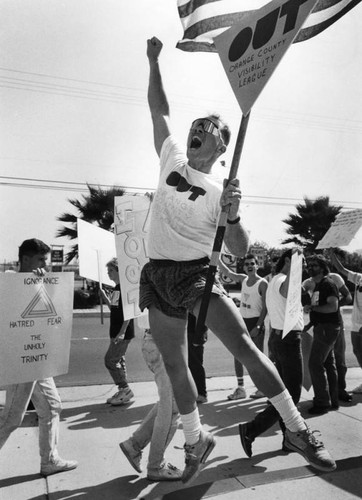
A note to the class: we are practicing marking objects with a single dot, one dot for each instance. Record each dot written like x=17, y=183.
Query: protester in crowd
x=339, y=349
x=121, y=333
x=273, y=264
x=356, y=331
x=253, y=310
x=325, y=318
x=183, y=223
x=33, y=255
x=196, y=357
x=159, y=425
x=286, y=352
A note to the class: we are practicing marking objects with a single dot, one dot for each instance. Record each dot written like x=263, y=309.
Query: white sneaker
x=257, y=395
x=133, y=456
x=167, y=472
x=358, y=389
x=239, y=393
x=58, y=465
x=121, y=397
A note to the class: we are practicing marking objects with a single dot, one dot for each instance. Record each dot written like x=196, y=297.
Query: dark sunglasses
x=207, y=125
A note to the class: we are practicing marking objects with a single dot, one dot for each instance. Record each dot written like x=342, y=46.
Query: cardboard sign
x=36, y=325
x=251, y=51
x=131, y=215
x=96, y=247
x=342, y=230
x=294, y=305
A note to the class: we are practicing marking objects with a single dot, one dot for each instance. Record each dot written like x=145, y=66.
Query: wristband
x=235, y=221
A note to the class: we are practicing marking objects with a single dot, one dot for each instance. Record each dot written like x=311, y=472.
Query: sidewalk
x=91, y=430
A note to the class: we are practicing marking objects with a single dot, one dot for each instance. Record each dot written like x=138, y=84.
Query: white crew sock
x=286, y=408
x=191, y=426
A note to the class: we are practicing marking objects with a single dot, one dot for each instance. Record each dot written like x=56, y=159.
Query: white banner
x=130, y=229
x=342, y=230
x=294, y=305
x=96, y=247
x=251, y=50
x=36, y=325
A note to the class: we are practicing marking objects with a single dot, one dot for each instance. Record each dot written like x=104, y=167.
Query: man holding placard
x=184, y=220
x=43, y=393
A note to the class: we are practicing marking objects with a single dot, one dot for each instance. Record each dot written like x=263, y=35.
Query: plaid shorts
x=173, y=287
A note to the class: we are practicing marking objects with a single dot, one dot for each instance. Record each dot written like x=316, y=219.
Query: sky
x=73, y=93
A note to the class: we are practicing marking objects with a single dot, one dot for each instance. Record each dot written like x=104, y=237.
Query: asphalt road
x=90, y=341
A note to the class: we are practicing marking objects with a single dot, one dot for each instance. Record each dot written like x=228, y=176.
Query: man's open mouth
x=195, y=142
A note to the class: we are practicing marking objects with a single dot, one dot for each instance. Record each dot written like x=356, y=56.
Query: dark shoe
x=345, y=397
x=334, y=406
x=284, y=445
x=319, y=410
x=246, y=441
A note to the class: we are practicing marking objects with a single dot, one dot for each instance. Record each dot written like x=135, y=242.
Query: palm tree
x=97, y=207
x=312, y=220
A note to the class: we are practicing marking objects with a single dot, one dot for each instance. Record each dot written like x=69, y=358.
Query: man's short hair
x=321, y=261
x=113, y=263
x=224, y=128
x=250, y=256
x=32, y=247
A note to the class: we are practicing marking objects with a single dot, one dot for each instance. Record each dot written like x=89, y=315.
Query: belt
x=280, y=332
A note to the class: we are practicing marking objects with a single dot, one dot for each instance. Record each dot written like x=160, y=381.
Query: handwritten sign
x=36, y=324
x=342, y=230
x=96, y=247
x=294, y=305
x=251, y=51
x=131, y=216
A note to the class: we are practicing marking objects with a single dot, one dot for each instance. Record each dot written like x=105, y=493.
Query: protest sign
x=36, y=325
x=294, y=305
x=250, y=51
x=130, y=229
x=96, y=247
x=342, y=230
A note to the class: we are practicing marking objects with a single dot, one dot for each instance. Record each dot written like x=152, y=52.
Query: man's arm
x=238, y=277
x=157, y=100
x=346, y=298
x=262, y=290
x=330, y=307
x=236, y=235
x=337, y=263
x=284, y=287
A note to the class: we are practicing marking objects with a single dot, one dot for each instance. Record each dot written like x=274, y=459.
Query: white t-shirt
x=251, y=303
x=276, y=304
x=356, y=278
x=185, y=209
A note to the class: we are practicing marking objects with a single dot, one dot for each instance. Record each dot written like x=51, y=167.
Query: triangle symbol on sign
x=41, y=306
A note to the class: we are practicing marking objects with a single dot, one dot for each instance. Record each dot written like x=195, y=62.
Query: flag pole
x=220, y=232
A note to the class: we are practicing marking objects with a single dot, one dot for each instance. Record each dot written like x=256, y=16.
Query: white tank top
x=276, y=305
x=250, y=300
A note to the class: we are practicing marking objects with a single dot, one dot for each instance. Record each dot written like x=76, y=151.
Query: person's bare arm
x=236, y=235
x=157, y=100
x=238, y=277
